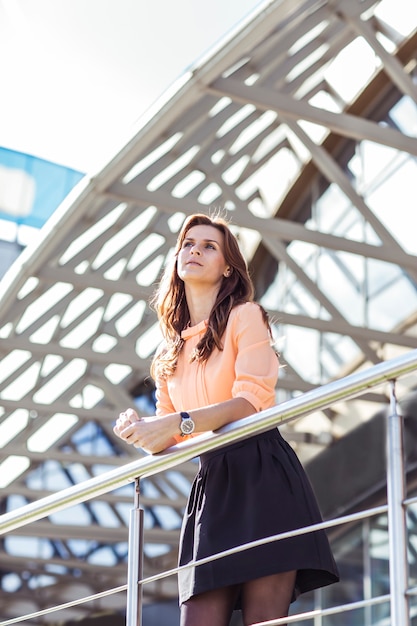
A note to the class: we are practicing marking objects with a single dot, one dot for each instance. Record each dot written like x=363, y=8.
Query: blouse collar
x=190, y=331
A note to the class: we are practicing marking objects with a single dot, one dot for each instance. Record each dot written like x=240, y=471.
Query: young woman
x=217, y=365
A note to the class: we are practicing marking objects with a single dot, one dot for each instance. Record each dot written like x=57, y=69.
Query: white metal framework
x=302, y=128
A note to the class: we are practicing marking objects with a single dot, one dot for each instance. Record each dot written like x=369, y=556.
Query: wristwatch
x=187, y=425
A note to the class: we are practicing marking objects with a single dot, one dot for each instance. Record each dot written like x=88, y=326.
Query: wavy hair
x=171, y=307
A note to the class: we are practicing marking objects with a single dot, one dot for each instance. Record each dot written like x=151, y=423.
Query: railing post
x=135, y=562
x=397, y=530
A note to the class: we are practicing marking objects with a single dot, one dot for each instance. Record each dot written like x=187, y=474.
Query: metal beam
x=343, y=327
x=94, y=532
x=391, y=65
x=285, y=230
x=343, y=124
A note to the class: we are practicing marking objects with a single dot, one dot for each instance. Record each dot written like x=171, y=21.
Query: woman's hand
x=152, y=434
x=125, y=419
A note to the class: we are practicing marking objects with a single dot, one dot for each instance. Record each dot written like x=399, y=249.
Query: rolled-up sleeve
x=256, y=365
x=163, y=400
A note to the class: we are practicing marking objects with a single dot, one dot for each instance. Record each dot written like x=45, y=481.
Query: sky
x=76, y=75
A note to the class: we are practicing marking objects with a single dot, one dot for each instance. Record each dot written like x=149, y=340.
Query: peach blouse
x=247, y=367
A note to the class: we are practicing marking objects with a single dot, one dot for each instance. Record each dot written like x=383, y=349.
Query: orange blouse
x=247, y=367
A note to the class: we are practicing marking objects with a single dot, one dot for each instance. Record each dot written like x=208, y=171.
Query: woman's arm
x=159, y=432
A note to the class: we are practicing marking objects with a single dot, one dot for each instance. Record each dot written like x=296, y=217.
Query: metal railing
x=317, y=399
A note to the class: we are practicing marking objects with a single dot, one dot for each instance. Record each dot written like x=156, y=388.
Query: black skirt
x=246, y=491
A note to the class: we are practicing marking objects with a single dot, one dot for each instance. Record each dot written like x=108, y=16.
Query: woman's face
x=201, y=259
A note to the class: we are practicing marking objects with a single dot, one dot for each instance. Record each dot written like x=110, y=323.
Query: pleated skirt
x=247, y=491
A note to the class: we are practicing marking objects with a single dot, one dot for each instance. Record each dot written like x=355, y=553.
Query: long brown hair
x=171, y=306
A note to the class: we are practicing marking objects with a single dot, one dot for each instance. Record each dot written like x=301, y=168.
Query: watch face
x=187, y=426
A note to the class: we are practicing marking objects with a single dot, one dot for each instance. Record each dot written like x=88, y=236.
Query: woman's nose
x=195, y=249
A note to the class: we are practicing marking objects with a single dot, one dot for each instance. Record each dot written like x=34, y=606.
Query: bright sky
x=76, y=75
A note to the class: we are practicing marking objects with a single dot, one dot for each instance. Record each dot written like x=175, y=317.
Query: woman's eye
x=186, y=244
x=210, y=245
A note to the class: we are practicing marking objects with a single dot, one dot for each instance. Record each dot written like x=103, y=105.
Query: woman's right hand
x=152, y=434
x=125, y=419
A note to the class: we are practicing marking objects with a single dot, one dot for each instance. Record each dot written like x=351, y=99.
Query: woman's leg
x=212, y=608
x=267, y=598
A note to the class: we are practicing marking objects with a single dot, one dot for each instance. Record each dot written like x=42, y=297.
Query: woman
x=217, y=365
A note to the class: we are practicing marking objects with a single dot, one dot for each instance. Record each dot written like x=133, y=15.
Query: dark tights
x=263, y=599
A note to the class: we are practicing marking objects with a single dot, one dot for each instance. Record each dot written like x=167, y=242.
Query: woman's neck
x=200, y=303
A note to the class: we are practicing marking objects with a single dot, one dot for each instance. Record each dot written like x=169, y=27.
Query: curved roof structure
x=301, y=128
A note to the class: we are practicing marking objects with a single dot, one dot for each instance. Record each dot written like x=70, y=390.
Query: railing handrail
x=320, y=398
